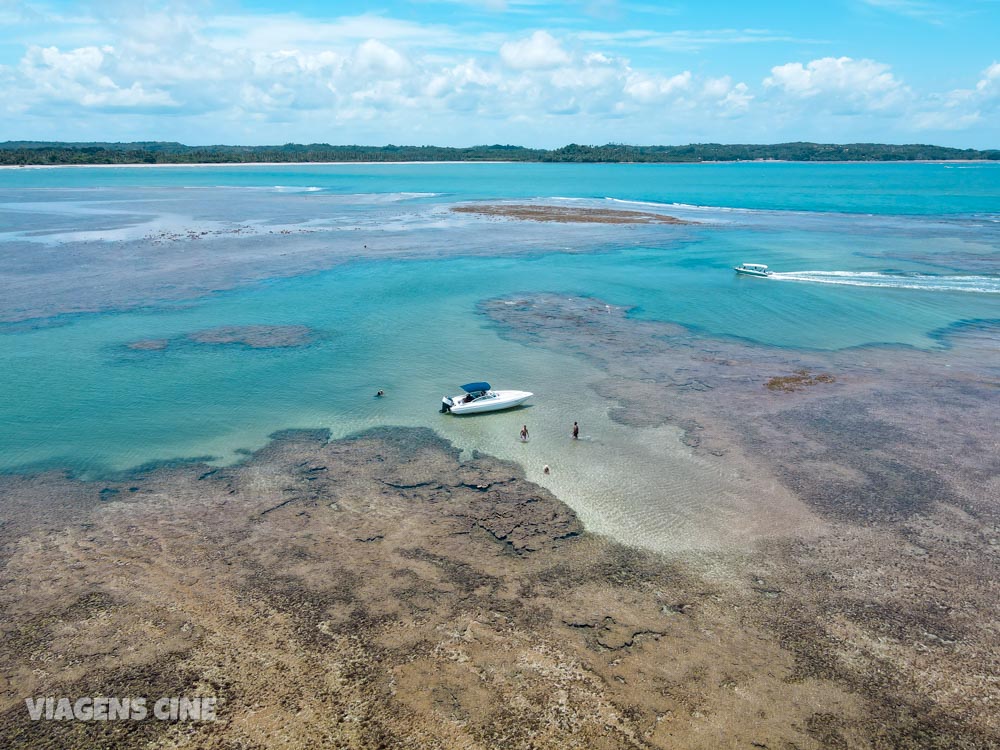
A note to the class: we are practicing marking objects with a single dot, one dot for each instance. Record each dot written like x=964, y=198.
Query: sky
x=525, y=72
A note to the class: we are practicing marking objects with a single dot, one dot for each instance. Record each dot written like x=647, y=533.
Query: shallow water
x=404, y=316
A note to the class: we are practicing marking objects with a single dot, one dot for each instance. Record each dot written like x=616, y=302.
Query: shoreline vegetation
x=42, y=153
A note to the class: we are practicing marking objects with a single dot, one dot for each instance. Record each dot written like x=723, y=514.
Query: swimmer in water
x=524, y=433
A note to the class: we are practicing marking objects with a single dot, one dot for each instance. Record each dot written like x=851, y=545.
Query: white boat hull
x=752, y=269
x=493, y=401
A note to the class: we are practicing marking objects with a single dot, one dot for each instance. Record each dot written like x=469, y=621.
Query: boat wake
x=687, y=206
x=886, y=280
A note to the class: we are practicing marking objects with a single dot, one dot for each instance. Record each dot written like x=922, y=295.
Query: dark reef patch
x=257, y=336
x=149, y=345
x=249, y=337
x=566, y=214
x=797, y=381
x=849, y=466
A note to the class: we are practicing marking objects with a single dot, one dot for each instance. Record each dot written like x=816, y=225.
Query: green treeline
x=157, y=152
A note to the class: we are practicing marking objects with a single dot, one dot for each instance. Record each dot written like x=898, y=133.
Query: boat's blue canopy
x=473, y=387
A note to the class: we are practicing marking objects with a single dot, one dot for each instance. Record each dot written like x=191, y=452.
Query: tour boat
x=479, y=397
x=752, y=269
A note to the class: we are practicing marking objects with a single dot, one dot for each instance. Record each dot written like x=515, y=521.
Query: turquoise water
x=865, y=254
x=855, y=188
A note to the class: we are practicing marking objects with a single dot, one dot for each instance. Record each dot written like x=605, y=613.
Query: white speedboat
x=479, y=397
x=752, y=269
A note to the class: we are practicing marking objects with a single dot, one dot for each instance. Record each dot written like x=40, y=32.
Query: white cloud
x=944, y=120
x=840, y=83
x=737, y=99
x=287, y=31
x=85, y=76
x=962, y=108
x=847, y=87
x=923, y=11
x=458, y=78
x=378, y=59
x=717, y=88
x=648, y=88
x=536, y=52
x=989, y=84
x=686, y=40
x=372, y=78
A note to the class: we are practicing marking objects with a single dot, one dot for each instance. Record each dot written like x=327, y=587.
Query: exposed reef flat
x=798, y=380
x=375, y=592
x=566, y=214
x=894, y=447
x=162, y=237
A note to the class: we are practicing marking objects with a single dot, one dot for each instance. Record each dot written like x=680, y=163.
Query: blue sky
x=530, y=72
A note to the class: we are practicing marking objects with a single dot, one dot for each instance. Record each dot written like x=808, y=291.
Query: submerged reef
x=257, y=336
x=148, y=345
x=252, y=337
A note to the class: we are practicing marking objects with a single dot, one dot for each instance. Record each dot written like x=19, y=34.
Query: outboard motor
x=446, y=404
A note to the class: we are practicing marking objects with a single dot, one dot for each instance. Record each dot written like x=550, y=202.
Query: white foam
x=296, y=189
x=344, y=197
x=685, y=206
x=374, y=198
x=923, y=282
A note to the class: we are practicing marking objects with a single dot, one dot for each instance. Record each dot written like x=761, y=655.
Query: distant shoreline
x=245, y=164
x=157, y=153
x=460, y=161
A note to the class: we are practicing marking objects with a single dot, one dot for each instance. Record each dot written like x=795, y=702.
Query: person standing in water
x=524, y=433
x=576, y=431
